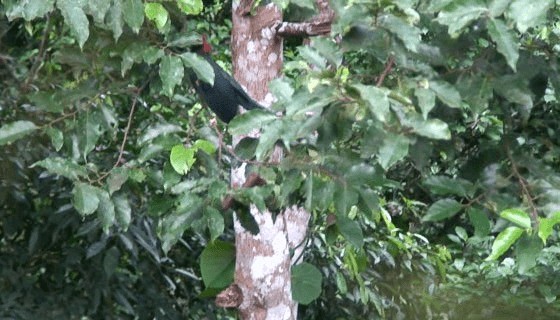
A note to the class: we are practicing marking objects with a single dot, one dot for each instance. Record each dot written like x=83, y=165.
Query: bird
x=226, y=95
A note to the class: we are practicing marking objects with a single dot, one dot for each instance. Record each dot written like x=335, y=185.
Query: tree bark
x=262, y=284
x=263, y=261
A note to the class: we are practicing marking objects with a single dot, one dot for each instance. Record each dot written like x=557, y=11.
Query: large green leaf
x=506, y=42
x=115, y=19
x=432, y=128
x=546, y=225
x=442, y=185
x=480, y=222
x=192, y=7
x=157, y=130
x=105, y=210
x=75, y=18
x=408, y=34
x=426, y=100
x=98, y=9
x=85, y=198
x=377, y=100
x=157, y=13
x=172, y=225
x=351, y=230
x=201, y=67
x=529, y=13
x=217, y=264
x=442, y=209
x=215, y=222
x=182, y=158
x=517, y=216
x=30, y=10
x=527, y=249
x=134, y=14
x=504, y=241
x=393, y=149
x=123, y=211
x=10, y=132
x=306, y=283
x=63, y=167
x=171, y=72
x=460, y=14
x=446, y=93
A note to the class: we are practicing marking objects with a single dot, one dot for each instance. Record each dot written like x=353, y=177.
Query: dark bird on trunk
x=226, y=95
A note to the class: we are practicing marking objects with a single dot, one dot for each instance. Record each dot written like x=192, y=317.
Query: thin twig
x=525, y=190
x=388, y=67
x=40, y=55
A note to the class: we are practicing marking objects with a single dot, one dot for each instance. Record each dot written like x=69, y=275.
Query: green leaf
x=546, y=225
x=172, y=225
x=393, y=149
x=426, y=100
x=442, y=209
x=215, y=222
x=377, y=100
x=181, y=158
x=63, y=167
x=307, y=283
x=75, y=18
x=85, y=198
x=504, y=241
x=157, y=130
x=116, y=179
x=341, y=284
x=88, y=133
x=506, y=42
x=217, y=264
x=171, y=72
x=10, y=132
x=498, y=7
x=134, y=14
x=350, y=230
x=123, y=211
x=201, y=67
x=98, y=9
x=205, y=146
x=517, y=216
x=459, y=15
x=115, y=19
x=442, y=185
x=33, y=9
x=105, y=210
x=111, y=261
x=312, y=57
x=480, y=222
x=157, y=13
x=432, y=128
x=527, y=250
x=409, y=35
x=192, y=7
x=57, y=138
x=446, y=93
x=249, y=121
x=529, y=13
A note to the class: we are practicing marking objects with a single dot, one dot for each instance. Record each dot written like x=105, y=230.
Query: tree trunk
x=263, y=262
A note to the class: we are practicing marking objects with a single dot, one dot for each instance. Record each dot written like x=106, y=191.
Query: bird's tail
x=251, y=104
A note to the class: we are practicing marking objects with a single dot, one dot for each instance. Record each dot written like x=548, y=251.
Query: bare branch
x=388, y=67
x=318, y=25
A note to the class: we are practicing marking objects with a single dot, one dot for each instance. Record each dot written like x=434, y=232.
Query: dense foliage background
x=424, y=140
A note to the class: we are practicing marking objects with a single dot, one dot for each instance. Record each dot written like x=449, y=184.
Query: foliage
x=426, y=135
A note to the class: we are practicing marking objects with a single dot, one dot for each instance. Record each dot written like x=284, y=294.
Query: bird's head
x=206, y=47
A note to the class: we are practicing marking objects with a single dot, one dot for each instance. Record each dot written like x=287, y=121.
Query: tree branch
x=388, y=67
x=318, y=25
